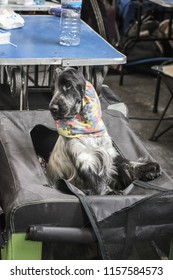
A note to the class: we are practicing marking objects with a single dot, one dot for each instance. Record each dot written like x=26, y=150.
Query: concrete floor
x=137, y=93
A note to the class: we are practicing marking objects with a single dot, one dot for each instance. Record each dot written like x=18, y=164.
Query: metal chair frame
x=168, y=80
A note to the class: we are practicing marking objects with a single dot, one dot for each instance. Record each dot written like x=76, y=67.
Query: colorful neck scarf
x=88, y=121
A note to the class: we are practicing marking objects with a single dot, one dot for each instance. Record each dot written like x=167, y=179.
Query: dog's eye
x=78, y=101
x=67, y=86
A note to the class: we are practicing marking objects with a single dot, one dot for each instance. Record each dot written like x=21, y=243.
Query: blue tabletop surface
x=37, y=43
x=164, y=3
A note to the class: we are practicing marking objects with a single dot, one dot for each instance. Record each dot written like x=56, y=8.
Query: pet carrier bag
x=58, y=222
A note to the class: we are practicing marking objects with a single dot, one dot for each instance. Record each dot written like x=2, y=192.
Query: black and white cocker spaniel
x=84, y=153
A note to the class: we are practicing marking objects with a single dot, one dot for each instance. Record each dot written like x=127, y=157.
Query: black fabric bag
x=121, y=224
x=145, y=44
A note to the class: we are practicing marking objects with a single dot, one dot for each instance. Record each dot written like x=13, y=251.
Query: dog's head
x=68, y=91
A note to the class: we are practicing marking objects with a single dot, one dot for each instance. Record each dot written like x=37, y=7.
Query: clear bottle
x=70, y=22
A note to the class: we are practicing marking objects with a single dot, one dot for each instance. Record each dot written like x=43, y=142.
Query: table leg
x=24, y=104
x=17, y=78
x=96, y=75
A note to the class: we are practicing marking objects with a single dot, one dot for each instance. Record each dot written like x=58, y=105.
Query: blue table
x=37, y=44
x=164, y=3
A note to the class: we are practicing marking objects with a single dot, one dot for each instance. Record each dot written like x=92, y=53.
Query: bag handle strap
x=66, y=187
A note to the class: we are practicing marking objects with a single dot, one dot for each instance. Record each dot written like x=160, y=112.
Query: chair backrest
x=168, y=70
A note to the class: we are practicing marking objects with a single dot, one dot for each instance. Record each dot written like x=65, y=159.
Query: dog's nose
x=54, y=108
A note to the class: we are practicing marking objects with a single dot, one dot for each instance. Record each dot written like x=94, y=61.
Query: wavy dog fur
x=85, y=156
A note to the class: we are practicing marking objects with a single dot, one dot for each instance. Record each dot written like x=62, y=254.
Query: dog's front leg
x=146, y=170
x=128, y=171
x=60, y=164
x=87, y=167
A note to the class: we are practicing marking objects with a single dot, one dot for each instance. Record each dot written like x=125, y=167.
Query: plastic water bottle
x=70, y=22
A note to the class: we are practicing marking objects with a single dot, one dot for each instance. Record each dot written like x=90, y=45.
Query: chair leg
x=157, y=93
x=163, y=132
x=121, y=75
x=153, y=136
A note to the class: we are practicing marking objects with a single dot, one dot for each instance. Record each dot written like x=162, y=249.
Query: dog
x=84, y=153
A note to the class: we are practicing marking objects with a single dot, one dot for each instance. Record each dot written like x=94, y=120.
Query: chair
x=165, y=74
x=146, y=62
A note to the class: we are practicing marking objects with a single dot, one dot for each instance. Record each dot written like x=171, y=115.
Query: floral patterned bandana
x=88, y=121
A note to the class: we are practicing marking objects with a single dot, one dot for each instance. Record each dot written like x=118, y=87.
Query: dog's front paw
x=147, y=171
